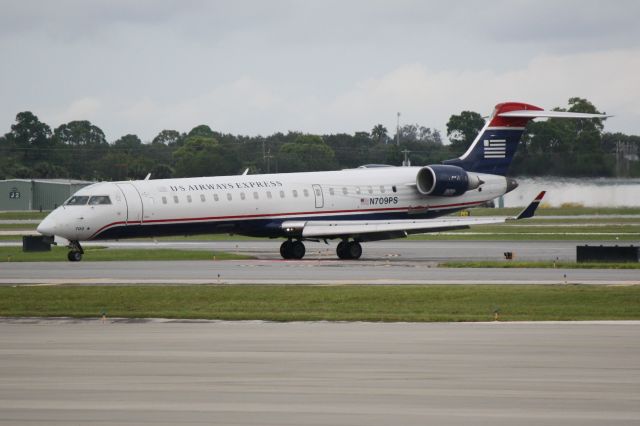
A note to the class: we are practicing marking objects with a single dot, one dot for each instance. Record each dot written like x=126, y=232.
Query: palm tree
x=379, y=133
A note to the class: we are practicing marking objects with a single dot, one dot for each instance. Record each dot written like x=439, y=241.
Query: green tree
x=306, y=153
x=204, y=156
x=80, y=133
x=564, y=147
x=462, y=130
x=379, y=133
x=162, y=171
x=202, y=130
x=168, y=137
x=31, y=138
x=83, y=146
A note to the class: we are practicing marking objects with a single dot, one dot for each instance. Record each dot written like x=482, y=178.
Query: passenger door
x=134, y=203
x=317, y=192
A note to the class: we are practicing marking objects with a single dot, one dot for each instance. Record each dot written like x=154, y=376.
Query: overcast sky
x=258, y=67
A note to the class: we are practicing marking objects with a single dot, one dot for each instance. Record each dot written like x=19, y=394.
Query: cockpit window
x=99, y=199
x=77, y=200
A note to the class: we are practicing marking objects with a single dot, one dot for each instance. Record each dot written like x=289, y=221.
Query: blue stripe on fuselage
x=251, y=227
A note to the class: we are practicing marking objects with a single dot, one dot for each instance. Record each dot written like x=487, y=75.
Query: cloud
x=87, y=108
x=429, y=97
x=255, y=67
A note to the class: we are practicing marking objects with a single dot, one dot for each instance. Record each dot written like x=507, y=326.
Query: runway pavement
x=387, y=262
x=328, y=272
x=408, y=250
x=254, y=373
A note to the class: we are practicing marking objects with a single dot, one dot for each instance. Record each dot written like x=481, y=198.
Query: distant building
x=37, y=194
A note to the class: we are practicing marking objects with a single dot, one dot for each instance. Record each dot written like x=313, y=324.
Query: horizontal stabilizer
x=530, y=210
x=528, y=113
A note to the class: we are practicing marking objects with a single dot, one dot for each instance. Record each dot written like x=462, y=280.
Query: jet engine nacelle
x=444, y=180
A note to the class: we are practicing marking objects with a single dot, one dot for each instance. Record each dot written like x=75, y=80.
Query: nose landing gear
x=75, y=252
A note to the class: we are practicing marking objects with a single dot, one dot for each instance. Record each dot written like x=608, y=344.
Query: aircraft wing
x=371, y=230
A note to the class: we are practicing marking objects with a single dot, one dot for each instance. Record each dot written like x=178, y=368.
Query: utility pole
x=268, y=158
x=398, y=131
x=406, y=162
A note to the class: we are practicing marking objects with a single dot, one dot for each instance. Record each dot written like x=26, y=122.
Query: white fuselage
x=254, y=204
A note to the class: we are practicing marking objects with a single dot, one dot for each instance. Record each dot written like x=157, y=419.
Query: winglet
x=530, y=210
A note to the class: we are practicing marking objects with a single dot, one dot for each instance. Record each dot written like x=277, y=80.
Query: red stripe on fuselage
x=255, y=216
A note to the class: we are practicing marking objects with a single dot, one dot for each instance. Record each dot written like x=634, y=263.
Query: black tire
x=285, y=249
x=354, y=250
x=342, y=251
x=298, y=250
x=74, y=256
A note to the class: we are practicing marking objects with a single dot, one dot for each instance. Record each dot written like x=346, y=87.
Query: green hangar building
x=37, y=194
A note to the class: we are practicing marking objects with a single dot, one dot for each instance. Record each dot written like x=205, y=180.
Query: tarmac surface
x=387, y=262
x=256, y=373
x=327, y=272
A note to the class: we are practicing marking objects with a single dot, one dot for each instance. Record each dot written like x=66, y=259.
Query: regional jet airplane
x=354, y=206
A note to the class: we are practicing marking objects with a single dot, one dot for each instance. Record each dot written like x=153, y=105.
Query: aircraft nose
x=47, y=226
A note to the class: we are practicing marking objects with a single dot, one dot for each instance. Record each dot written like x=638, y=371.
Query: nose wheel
x=349, y=250
x=75, y=252
x=292, y=249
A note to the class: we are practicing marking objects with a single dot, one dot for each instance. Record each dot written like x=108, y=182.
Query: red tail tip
x=497, y=121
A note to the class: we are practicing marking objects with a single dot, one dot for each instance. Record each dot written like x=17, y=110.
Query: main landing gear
x=349, y=250
x=292, y=249
x=295, y=250
x=75, y=252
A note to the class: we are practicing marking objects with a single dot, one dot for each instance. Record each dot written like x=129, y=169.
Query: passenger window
x=255, y=195
x=269, y=194
x=394, y=188
x=175, y=199
x=164, y=200
x=215, y=197
x=382, y=189
x=189, y=198
x=99, y=199
x=229, y=196
x=331, y=192
x=306, y=192
x=202, y=197
x=242, y=196
x=77, y=200
x=295, y=193
x=281, y=194
x=344, y=191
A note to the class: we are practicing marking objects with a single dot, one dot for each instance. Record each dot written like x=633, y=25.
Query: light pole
x=398, y=131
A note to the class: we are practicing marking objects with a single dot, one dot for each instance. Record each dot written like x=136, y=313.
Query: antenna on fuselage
x=147, y=176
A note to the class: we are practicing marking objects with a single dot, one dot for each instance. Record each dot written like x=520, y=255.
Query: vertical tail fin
x=496, y=144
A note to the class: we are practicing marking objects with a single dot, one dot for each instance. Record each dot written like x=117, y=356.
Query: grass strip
x=332, y=303
x=15, y=254
x=539, y=264
x=22, y=215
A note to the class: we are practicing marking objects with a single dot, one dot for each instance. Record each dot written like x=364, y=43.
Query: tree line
x=79, y=149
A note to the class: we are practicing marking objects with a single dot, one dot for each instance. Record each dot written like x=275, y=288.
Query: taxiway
x=255, y=373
